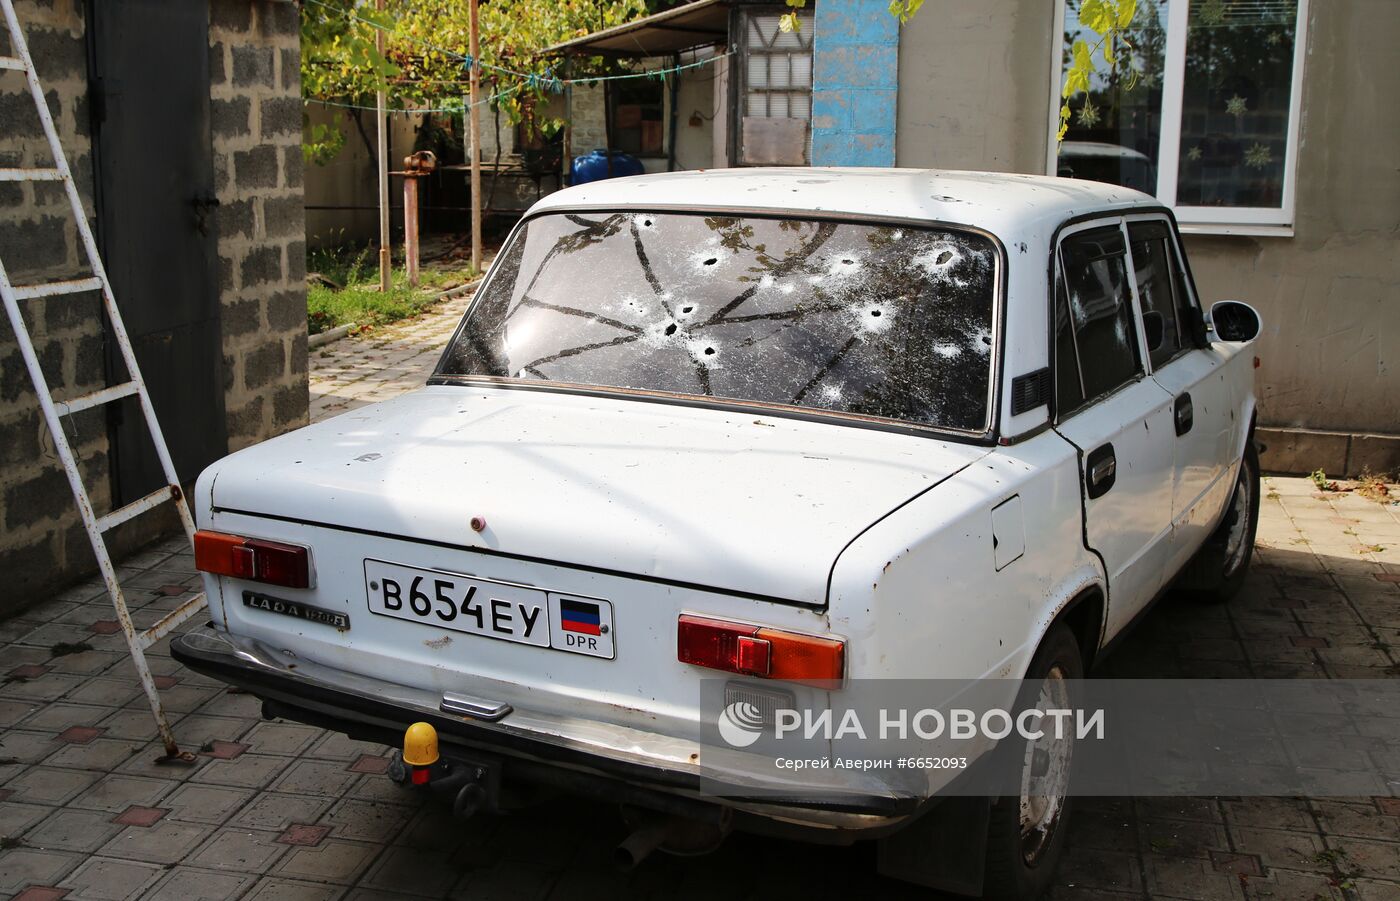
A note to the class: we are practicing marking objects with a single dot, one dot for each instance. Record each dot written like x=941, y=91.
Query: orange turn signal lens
x=751, y=650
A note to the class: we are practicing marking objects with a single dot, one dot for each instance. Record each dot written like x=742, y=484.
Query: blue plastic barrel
x=594, y=166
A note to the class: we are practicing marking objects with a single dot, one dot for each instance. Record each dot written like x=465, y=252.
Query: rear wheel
x=1218, y=570
x=1027, y=833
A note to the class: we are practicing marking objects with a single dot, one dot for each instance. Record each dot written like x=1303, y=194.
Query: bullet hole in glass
x=859, y=318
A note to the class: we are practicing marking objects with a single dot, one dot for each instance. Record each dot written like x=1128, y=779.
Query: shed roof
x=697, y=24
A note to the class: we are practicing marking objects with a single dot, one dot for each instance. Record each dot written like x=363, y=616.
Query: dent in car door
x=1195, y=376
x=1120, y=420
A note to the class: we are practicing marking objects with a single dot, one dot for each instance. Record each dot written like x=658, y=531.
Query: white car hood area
x=730, y=500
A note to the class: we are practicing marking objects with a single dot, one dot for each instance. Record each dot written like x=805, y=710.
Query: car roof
x=1005, y=204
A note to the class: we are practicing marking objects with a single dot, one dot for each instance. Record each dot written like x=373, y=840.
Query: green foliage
x=790, y=21
x=359, y=300
x=1319, y=478
x=904, y=10
x=427, y=44
x=1109, y=19
x=320, y=143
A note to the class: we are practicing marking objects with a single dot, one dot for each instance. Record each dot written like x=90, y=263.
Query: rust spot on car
x=437, y=644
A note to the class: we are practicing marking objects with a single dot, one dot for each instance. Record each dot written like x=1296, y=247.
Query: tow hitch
x=474, y=784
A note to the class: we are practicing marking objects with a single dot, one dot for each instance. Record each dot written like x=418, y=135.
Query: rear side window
x=1093, y=287
x=1161, y=289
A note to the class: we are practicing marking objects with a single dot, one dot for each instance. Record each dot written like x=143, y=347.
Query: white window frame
x=1196, y=219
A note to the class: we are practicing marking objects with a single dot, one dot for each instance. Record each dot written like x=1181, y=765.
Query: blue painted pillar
x=855, y=82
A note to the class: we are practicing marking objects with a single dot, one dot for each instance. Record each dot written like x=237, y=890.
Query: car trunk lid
x=743, y=503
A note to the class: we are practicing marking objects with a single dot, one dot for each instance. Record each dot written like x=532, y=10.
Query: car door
x=1118, y=418
x=1193, y=372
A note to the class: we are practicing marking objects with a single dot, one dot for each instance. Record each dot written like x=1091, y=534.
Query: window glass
x=1069, y=390
x=636, y=109
x=776, y=91
x=1158, y=283
x=876, y=320
x=1101, y=309
x=1235, y=104
x=1230, y=67
x=1114, y=128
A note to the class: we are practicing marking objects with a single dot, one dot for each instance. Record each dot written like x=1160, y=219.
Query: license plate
x=518, y=613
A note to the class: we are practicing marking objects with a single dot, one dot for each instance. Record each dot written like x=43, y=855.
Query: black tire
x=1016, y=871
x=1217, y=572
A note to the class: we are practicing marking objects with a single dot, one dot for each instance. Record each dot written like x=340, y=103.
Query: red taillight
x=757, y=651
x=254, y=559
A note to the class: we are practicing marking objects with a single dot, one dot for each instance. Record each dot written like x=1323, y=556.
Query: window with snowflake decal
x=886, y=321
x=1200, y=109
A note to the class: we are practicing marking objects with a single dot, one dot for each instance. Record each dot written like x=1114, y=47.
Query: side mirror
x=1235, y=321
x=1154, y=326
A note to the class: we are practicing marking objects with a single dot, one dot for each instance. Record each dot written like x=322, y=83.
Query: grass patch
x=344, y=288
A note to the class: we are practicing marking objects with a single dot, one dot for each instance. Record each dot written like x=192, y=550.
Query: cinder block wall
x=255, y=90
x=42, y=539
x=855, y=83
x=256, y=133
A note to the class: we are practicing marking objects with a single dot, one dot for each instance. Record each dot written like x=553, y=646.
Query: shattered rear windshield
x=876, y=320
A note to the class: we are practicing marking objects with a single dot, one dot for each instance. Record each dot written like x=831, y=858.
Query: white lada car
x=775, y=426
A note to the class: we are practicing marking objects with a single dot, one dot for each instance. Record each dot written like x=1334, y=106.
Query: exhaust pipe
x=637, y=846
x=673, y=834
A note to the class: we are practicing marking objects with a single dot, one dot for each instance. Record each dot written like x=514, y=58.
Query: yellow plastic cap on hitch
x=420, y=745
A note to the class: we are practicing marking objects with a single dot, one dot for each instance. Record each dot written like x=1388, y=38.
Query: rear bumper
x=644, y=769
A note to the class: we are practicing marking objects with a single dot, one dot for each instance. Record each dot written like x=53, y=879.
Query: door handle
x=1183, y=414
x=1101, y=471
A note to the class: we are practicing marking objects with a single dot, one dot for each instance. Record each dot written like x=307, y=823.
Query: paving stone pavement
x=355, y=371
x=277, y=810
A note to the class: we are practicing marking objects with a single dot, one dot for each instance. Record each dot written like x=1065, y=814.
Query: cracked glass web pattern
x=875, y=320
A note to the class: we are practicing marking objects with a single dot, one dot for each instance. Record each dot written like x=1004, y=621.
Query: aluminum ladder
x=97, y=524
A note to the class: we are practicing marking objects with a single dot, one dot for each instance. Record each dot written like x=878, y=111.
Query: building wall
x=256, y=129
x=855, y=81
x=255, y=75
x=974, y=86
x=346, y=180
x=700, y=95
x=975, y=93
x=1330, y=295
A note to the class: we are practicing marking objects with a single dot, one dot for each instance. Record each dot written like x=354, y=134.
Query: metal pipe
x=410, y=228
x=381, y=104
x=474, y=40
x=639, y=845
x=675, y=102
